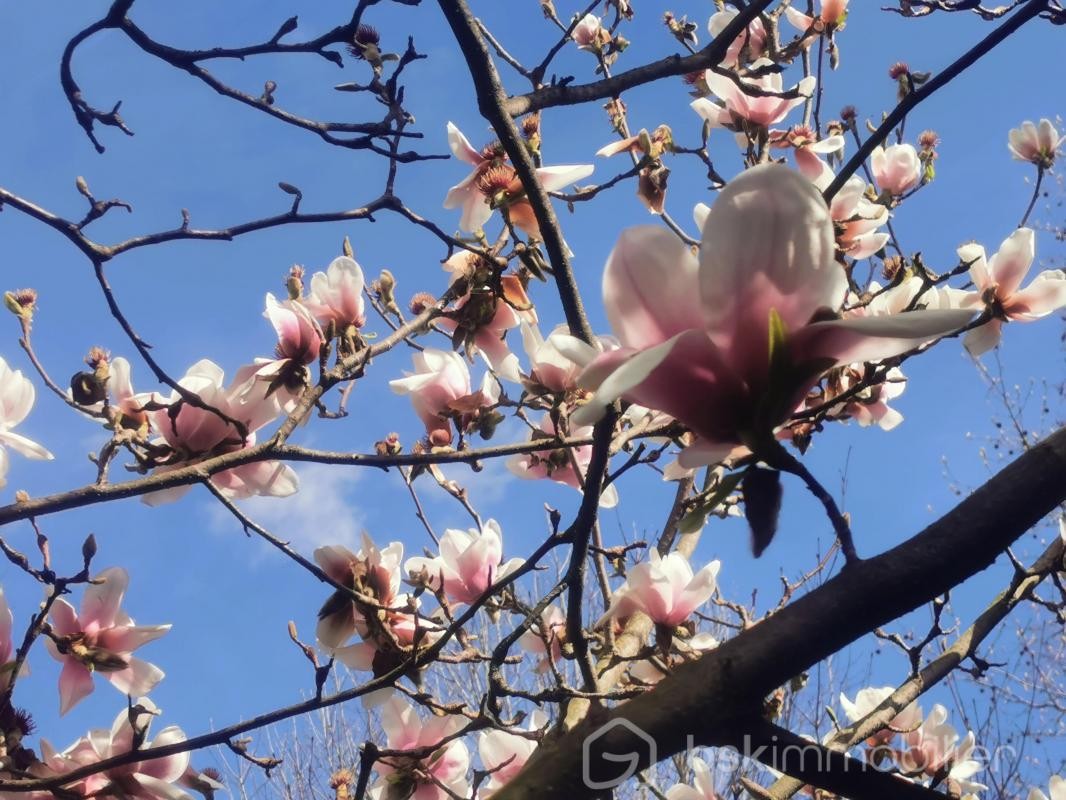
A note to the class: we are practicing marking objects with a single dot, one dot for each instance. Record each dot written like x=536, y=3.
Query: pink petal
x=461, y=147
x=75, y=684
x=1009, y=266
x=650, y=287
x=768, y=244
x=981, y=340
x=1047, y=293
x=101, y=601
x=139, y=678
x=873, y=338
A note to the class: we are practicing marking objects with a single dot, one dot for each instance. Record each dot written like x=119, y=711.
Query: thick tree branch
x=703, y=701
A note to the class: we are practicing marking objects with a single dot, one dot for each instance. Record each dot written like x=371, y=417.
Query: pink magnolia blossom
x=337, y=295
x=493, y=181
x=16, y=399
x=299, y=337
x=100, y=639
x=830, y=13
x=556, y=362
x=997, y=281
x=751, y=41
x=589, y=33
x=740, y=107
x=465, y=194
x=154, y=779
x=1037, y=144
x=469, y=563
x=193, y=434
x=664, y=588
x=1057, y=789
x=856, y=218
x=702, y=787
x=418, y=778
x=558, y=464
x=371, y=572
x=867, y=700
x=504, y=754
x=440, y=390
x=897, y=168
x=545, y=638
x=206, y=782
x=807, y=148
x=934, y=745
x=507, y=311
x=384, y=626
x=299, y=342
x=697, y=332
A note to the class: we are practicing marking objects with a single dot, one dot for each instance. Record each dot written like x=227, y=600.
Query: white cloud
x=320, y=513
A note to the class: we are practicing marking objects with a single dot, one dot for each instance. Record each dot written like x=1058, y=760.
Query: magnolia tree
x=573, y=661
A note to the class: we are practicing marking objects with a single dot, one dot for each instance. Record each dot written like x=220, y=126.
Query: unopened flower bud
x=898, y=70
x=421, y=301
x=86, y=389
x=88, y=549
x=21, y=303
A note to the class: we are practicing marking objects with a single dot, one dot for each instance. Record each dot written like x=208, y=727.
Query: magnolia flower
x=485, y=313
x=420, y=778
x=664, y=588
x=337, y=295
x=545, y=638
x=504, y=754
x=16, y=399
x=997, y=281
x=767, y=108
x=100, y=639
x=807, y=147
x=440, y=390
x=831, y=13
x=964, y=766
x=465, y=194
x=559, y=464
x=147, y=780
x=1038, y=145
x=867, y=700
x=469, y=563
x=193, y=434
x=589, y=33
x=730, y=342
x=206, y=782
x=371, y=572
x=556, y=362
x=702, y=787
x=299, y=337
x=1057, y=788
x=494, y=183
x=935, y=744
x=299, y=344
x=750, y=43
x=897, y=169
x=855, y=218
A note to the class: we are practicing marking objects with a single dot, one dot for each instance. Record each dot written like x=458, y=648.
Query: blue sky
x=230, y=597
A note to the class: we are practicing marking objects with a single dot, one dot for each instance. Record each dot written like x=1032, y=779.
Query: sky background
x=230, y=597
